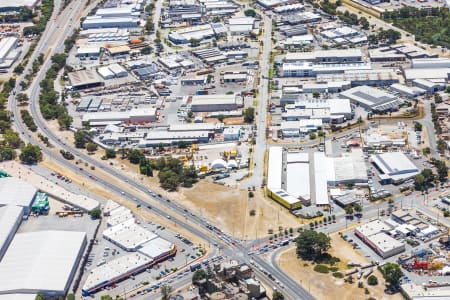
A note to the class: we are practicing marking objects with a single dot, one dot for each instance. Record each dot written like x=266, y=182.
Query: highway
x=59, y=30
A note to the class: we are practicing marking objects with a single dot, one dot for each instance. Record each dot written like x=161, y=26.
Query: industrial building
x=407, y=91
x=8, y=51
x=394, y=167
x=378, y=77
x=10, y=219
x=128, y=235
x=112, y=71
x=326, y=56
x=90, y=51
x=211, y=103
x=306, y=178
x=159, y=137
x=17, y=192
x=375, y=236
x=8, y=5
x=109, y=22
x=199, y=33
x=84, y=79
x=271, y=3
x=56, y=253
x=334, y=111
x=433, y=74
x=136, y=115
x=429, y=86
x=372, y=99
x=309, y=69
x=425, y=63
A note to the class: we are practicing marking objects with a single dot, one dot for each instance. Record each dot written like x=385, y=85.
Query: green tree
x=30, y=154
x=199, y=275
x=22, y=97
x=372, y=280
x=316, y=95
x=95, y=214
x=110, y=153
x=146, y=50
x=249, y=115
x=134, y=156
x=250, y=13
x=91, y=147
x=392, y=274
x=39, y=297
x=417, y=126
x=358, y=208
x=220, y=118
x=106, y=297
x=312, y=136
x=166, y=291
x=311, y=245
x=349, y=210
x=194, y=42
x=70, y=296
x=277, y=295
x=7, y=153
x=80, y=139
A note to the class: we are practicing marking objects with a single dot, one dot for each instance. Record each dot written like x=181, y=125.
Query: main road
x=58, y=29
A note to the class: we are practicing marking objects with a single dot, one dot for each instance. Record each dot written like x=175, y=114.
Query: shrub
x=338, y=275
x=334, y=269
x=321, y=269
x=372, y=280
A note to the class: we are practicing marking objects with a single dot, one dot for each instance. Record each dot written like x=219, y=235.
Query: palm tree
x=166, y=290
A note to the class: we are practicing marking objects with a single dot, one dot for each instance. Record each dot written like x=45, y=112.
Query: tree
x=220, y=118
x=392, y=274
x=194, y=42
x=110, y=153
x=372, y=280
x=311, y=245
x=106, y=297
x=80, y=139
x=22, y=97
x=199, y=275
x=358, y=208
x=419, y=182
x=442, y=170
x=166, y=291
x=417, y=126
x=146, y=50
x=91, y=147
x=312, y=136
x=95, y=213
x=39, y=297
x=249, y=115
x=316, y=95
x=70, y=296
x=250, y=13
x=134, y=156
x=277, y=295
x=349, y=210
x=30, y=154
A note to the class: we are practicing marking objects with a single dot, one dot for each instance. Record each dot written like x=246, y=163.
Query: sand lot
x=325, y=286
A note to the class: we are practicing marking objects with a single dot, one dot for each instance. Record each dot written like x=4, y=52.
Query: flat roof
x=16, y=192
x=372, y=228
x=321, y=163
x=213, y=99
x=427, y=73
x=128, y=235
x=299, y=56
x=115, y=268
x=297, y=157
x=17, y=3
x=156, y=248
x=275, y=168
x=10, y=218
x=84, y=77
x=392, y=163
x=56, y=253
x=372, y=97
x=384, y=242
x=298, y=182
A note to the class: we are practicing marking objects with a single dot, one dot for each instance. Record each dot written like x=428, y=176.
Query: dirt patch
x=327, y=287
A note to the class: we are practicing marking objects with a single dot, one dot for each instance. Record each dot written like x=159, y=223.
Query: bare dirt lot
x=327, y=287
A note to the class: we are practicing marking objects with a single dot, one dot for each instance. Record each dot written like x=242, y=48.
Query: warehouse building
x=385, y=54
x=378, y=77
x=17, y=192
x=114, y=271
x=428, y=85
x=425, y=63
x=326, y=56
x=407, y=91
x=433, y=74
x=92, y=22
x=394, y=167
x=90, y=51
x=128, y=235
x=199, y=33
x=271, y=3
x=56, y=253
x=84, y=79
x=333, y=111
x=10, y=219
x=211, y=103
x=112, y=12
x=374, y=235
x=9, y=51
x=372, y=99
x=157, y=248
x=308, y=69
x=136, y=115
x=8, y=5
x=158, y=137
